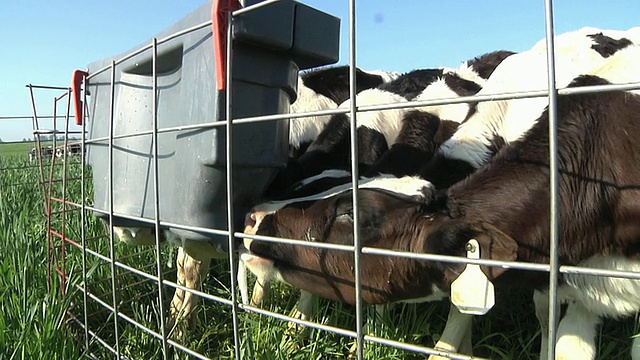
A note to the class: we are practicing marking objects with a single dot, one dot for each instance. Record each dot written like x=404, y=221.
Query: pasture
x=16, y=149
x=20, y=150
x=41, y=323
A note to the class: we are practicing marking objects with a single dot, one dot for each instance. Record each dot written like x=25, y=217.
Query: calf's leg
x=304, y=310
x=635, y=348
x=577, y=333
x=541, y=304
x=182, y=309
x=457, y=330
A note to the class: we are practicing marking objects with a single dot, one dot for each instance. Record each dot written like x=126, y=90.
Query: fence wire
x=74, y=218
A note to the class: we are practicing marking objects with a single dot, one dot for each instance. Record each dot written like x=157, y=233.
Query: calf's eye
x=345, y=216
x=250, y=219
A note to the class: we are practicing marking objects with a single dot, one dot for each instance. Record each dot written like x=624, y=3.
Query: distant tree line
x=51, y=137
x=42, y=138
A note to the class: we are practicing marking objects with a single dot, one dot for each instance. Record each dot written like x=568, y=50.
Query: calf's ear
x=451, y=239
x=495, y=245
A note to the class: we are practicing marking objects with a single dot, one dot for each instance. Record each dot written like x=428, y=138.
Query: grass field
x=32, y=318
x=36, y=322
x=20, y=149
x=16, y=149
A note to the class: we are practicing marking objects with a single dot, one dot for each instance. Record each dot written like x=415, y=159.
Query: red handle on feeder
x=76, y=83
x=220, y=12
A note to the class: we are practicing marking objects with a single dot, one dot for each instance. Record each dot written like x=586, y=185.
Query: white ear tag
x=472, y=292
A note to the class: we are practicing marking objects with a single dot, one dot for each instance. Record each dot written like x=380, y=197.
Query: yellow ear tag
x=472, y=292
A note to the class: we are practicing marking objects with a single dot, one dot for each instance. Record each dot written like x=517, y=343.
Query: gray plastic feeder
x=271, y=45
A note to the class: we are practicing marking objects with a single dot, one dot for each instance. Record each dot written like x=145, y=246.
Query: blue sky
x=44, y=41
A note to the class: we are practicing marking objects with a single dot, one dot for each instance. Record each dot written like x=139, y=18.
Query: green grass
x=34, y=323
x=19, y=149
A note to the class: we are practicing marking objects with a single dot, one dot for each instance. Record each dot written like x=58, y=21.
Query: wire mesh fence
x=127, y=299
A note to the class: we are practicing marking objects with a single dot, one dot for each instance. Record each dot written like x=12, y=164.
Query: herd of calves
x=59, y=151
x=441, y=174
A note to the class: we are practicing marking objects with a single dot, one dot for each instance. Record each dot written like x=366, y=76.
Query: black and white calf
x=599, y=210
x=494, y=124
x=72, y=149
x=319, y=89
x=413, y=130
x=33, y=154
x=580, y=322
x=377, y=130
x=324, y=89
x=330, y=147
x=45, y=152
